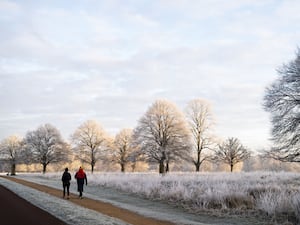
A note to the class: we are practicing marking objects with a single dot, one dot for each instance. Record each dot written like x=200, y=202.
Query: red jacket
x=80, y=174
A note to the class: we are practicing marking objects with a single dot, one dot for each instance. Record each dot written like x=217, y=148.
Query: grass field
x=271, y=194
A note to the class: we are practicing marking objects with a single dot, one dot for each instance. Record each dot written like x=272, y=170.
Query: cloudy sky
x=64, y=62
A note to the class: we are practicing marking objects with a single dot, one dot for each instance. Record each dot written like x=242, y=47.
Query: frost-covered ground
x=268, y=192
x=64, y=210
x=275, y=195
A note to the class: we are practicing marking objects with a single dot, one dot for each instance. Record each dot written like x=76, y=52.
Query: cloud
x=110, y=60
x=9, y=7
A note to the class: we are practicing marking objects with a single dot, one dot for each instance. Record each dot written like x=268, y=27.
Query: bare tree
x=46, y=145
x=11, y=149
x=135, y=157
x=90, y=141
x=282, y=100
x=200, y=120
x=163, y=135
x=231, y=152
x=124, y=149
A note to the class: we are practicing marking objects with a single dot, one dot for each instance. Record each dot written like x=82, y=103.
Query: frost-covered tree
x=11, y=149
x=282, y=100
x=90, y=140
x=162, y=134
x=46, y=145
x=231, y=152
x=124, y=151
x=200, y=121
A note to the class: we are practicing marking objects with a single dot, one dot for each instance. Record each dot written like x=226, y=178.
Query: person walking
x=66, y=177
x=80, y=176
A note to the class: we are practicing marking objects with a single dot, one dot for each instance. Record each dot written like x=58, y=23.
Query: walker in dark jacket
x=66, y=177
x=80, y=177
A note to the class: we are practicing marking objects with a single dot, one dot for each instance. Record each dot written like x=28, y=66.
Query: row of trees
x=163, y=135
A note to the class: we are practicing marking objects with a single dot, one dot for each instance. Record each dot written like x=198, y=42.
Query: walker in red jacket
x=80, y=176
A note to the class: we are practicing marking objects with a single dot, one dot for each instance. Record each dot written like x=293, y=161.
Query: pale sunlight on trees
x=200, y=120
x=163, y=135
x=282, y=100
x=90, y=141
x=10, y=149
x=123, y=149
x=46, y=145
x=231, y=152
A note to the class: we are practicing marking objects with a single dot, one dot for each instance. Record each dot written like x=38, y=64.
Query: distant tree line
x=164, y=135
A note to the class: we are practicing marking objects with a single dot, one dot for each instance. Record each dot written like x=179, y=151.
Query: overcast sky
x=64, y=62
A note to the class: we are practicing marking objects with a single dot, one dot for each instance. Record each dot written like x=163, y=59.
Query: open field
x=46, y=194
x=275, y=196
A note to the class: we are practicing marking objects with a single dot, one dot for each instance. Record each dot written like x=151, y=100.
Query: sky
x=65, y=62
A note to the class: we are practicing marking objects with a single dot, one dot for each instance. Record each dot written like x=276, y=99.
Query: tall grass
x=272, y=193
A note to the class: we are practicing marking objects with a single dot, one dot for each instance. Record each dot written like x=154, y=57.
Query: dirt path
x=102, y=207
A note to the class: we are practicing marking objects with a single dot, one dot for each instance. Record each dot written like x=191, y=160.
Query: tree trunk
x=122, y=167
x=161, y=167
x=44, y=168
x=167, y=167
x=231, y=167
x=197, y=164
x=13, y=169
x=92, y=165
x=197, y=167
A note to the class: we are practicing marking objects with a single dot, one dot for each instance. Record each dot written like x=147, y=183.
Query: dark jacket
x=66, y=177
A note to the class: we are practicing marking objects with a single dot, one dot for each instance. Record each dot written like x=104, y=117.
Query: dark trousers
x=80, y=183
x=66, y=186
